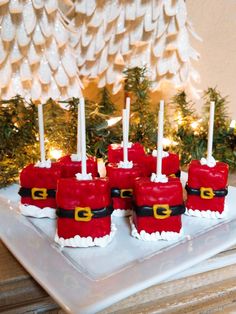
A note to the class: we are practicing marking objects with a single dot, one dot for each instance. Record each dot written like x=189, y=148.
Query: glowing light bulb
x=55, y=153
x=194, y=124
x=232, y=124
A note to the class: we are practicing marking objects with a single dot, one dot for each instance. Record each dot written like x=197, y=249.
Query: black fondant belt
x=206, y=193
x=84, y=213
x=37, y=193
x=159, y=211
x=123, y=193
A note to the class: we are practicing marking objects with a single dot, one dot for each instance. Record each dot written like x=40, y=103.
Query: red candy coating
x=147, y=193
x=69, y=168
x=204, y=176
x=121, y=178
x=170, y=164
x=135, y=153
x=72, y=193
x=35, y=177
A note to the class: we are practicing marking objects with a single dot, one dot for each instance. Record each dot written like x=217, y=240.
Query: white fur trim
x=78, y=241
x=122, y=212
x=206, y=213
x=80, y=176
x=43, y=164
x=162, y=178
x=210, y=163
x=37, y=212
x=155, y=236
x=75, y=157
x=125, y=164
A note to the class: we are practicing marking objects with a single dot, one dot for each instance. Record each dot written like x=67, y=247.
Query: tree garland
x=187, y=132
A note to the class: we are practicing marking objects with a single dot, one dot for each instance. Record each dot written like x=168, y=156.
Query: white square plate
x=86, y=280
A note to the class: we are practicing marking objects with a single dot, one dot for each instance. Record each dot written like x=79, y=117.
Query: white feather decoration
x=15, y=7
x=33, y=56
x=29, y=17
x=8, y=29
x=61, y=78
x=51, y=6
x=52, y=55
x=22, y=38
x=25, y=72
x=44, y=73
x=15, y=54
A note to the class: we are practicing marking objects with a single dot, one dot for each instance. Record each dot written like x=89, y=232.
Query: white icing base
x=75, y=157
x=78, y=241
x=37, y=212
x=125, y=164
x=159, y=178
x=206, y=213
x=122, y=212
x=43, y=164
x=155, y=236
x=211, y=162
x=80, y=176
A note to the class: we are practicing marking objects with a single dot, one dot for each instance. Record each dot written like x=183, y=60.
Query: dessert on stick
x=170, y=161
x=158, y=201
x=135, y=150
x=122, y=175
x=84, y=205
x=38, y=182
x=207, y=182
x=71, y=164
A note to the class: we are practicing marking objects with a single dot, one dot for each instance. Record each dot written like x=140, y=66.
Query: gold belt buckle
x=39, y=193
x=123, y=191
x=206, y=193
x=87, y=214
x=166, y=212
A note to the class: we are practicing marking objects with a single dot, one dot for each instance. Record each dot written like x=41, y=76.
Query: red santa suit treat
x=122, y=184
x=206, y=189
x=170, y=164
x=38, y=190
x=157, y=209
x=135, y=152
x=84, y=213
x=70, y=165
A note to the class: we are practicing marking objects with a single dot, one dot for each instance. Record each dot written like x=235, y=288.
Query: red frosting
x=121, y=178
x=170, y=164
x=208, y=177
x=69, y=168
x=135, y=153
x=72, y=193
x=35, y=177
x=147, y=193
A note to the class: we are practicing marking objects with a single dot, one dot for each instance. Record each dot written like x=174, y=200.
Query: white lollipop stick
x=125, y=140
x=160, y=140
x=78, y=133
x=128, y=115
x=210, y=131
x=161, y=105
x=41, y=132
x=83, y=138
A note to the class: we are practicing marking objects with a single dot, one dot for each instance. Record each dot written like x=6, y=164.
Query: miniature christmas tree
x=143, y=119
